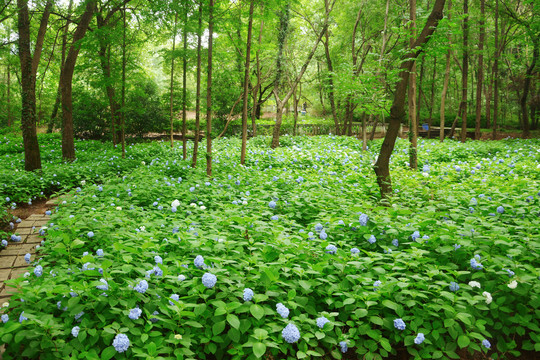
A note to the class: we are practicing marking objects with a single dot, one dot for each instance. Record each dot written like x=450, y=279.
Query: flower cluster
x=399, y=324
x=290, y=333
x=282, y=310
x=209, y=280
x=121, y=343
x=248, y=294
x=321, y=321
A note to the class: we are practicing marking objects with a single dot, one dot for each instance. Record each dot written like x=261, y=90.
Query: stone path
x=12, y=263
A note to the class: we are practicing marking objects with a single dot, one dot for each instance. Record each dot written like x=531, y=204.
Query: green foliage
x=318, y=180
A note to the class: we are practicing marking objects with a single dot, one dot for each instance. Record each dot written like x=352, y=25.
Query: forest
x=272, y=179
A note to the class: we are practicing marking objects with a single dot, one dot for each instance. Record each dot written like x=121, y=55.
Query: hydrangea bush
x=218, y=277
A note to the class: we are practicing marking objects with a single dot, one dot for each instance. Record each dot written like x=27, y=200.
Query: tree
x=479, y=83
x=66, y=80
x=382, y=165
x=465, y=68
x=246, y=83
x=29, y=66
x=172, y=81
x=198, y=95
x=209, y=91
x=413, y=121
x=446, y=79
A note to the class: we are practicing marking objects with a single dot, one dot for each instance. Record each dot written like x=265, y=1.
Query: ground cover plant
x=290, y=256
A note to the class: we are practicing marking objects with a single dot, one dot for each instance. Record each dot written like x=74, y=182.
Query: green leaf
x=233, y=321
x=376, y=320
x=218, y=327
x=257, y=311
x=348, y=301
x=390, y=304
x=108, y=353
x=259, y=349
x=385, y=344
x=301, y=355
x=463, y=341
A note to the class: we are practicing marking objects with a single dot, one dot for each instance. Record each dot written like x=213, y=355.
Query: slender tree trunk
x=66, y=75
x=257, y=87
x=364, y=132
x=382, y=165
x=496, y=73
x=330, y=73
x=172, y=81
x=413, y=121
x=246, y=83
x=465, y=75
x=8, y=104
x=489, y=94
x=209, y=90
x=526, y=89
x=63, y=59
x=374, y=128
x=184, y=87
x=198, y=94
x=123, y=113
x=432, y=101
x=479, y=83
x=446, y=79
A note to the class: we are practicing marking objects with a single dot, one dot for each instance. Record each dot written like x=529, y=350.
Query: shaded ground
x=24, y=210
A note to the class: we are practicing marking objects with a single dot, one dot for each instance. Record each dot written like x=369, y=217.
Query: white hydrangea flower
x=513, y=284
x=175, y=204
x=203, y=207
x=488, y=297
x=474, y=284
x=118, y=208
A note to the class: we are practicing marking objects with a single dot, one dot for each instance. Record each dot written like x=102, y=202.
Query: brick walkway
x=12, y=263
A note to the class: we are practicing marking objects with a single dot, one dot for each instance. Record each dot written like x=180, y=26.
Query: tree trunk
x=446, y=79
x=198, y=94
x=209, y=90
x=382, y=166
x=255, y=112
x=465, y=74
x=374, y=128
x=496, y=73
x=277, y=126
x=295, y=113
x=29, y=66
x=364, y=134
x=480, y=80
x=330, y=73
x=432, y=102
x=413, y=121
x=172, y=81
x=8, y=104
x=66, y=78
x=526, y=89
x=123, y=113
x=184, y=87
x=246, y=83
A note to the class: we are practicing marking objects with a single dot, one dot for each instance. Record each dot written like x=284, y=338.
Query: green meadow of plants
x=455, y=255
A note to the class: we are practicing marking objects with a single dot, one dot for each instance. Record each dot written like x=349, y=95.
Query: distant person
x=304, y=108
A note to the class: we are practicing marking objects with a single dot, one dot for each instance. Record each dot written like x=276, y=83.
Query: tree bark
x=446, y=80
x=331, y=73
x=413, y=121
x=184, y=87
x=123, y=113
x=480, y=80
x=465, y=68
x=257, y=87
x=246, y=83
x=172, y=81
x=526, y=89
x=198, y=93
x=432, y=101
x=209, y=90
x=382, y=168
x=496, y=73
x=66, y=78
x=29, y=66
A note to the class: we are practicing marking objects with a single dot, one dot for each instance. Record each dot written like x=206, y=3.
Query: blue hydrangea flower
x=474, y=202
x=331, y=249
x=354, y=251
x=209, y=280
x=454, y=286
x=510, y=272
x=154, y=320
x=27, y=258
x=343, y=346
x=90, y=234
x=48, y=212
x=323, y=235
x=103, y=287
x=4, y=243
x=456, y=246
x=272, y=204
x=399, y=324
x=135, y=313
x=372, y=239
x=79, y=315
x=475, y=264
x=174, y=297
x=376, y=285
x=419, y=339
x=5, y=318
x=38, y=271
x=248, y=294
x=415, y=235
x=199, y=261
x=75, y=331
x=321, y=321
x=99, y=252
x=121, y=343
x=363, y=219
x=141, y=287
x=395, y=242
x=275, y=217
x=486, y=344
x=282, y=310
x=500, y=209
x=318, y=227
x=22, y=317
x=158, y=259
x=290, y=333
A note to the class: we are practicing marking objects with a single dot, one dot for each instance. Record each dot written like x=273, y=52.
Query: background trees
x=485, y=57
